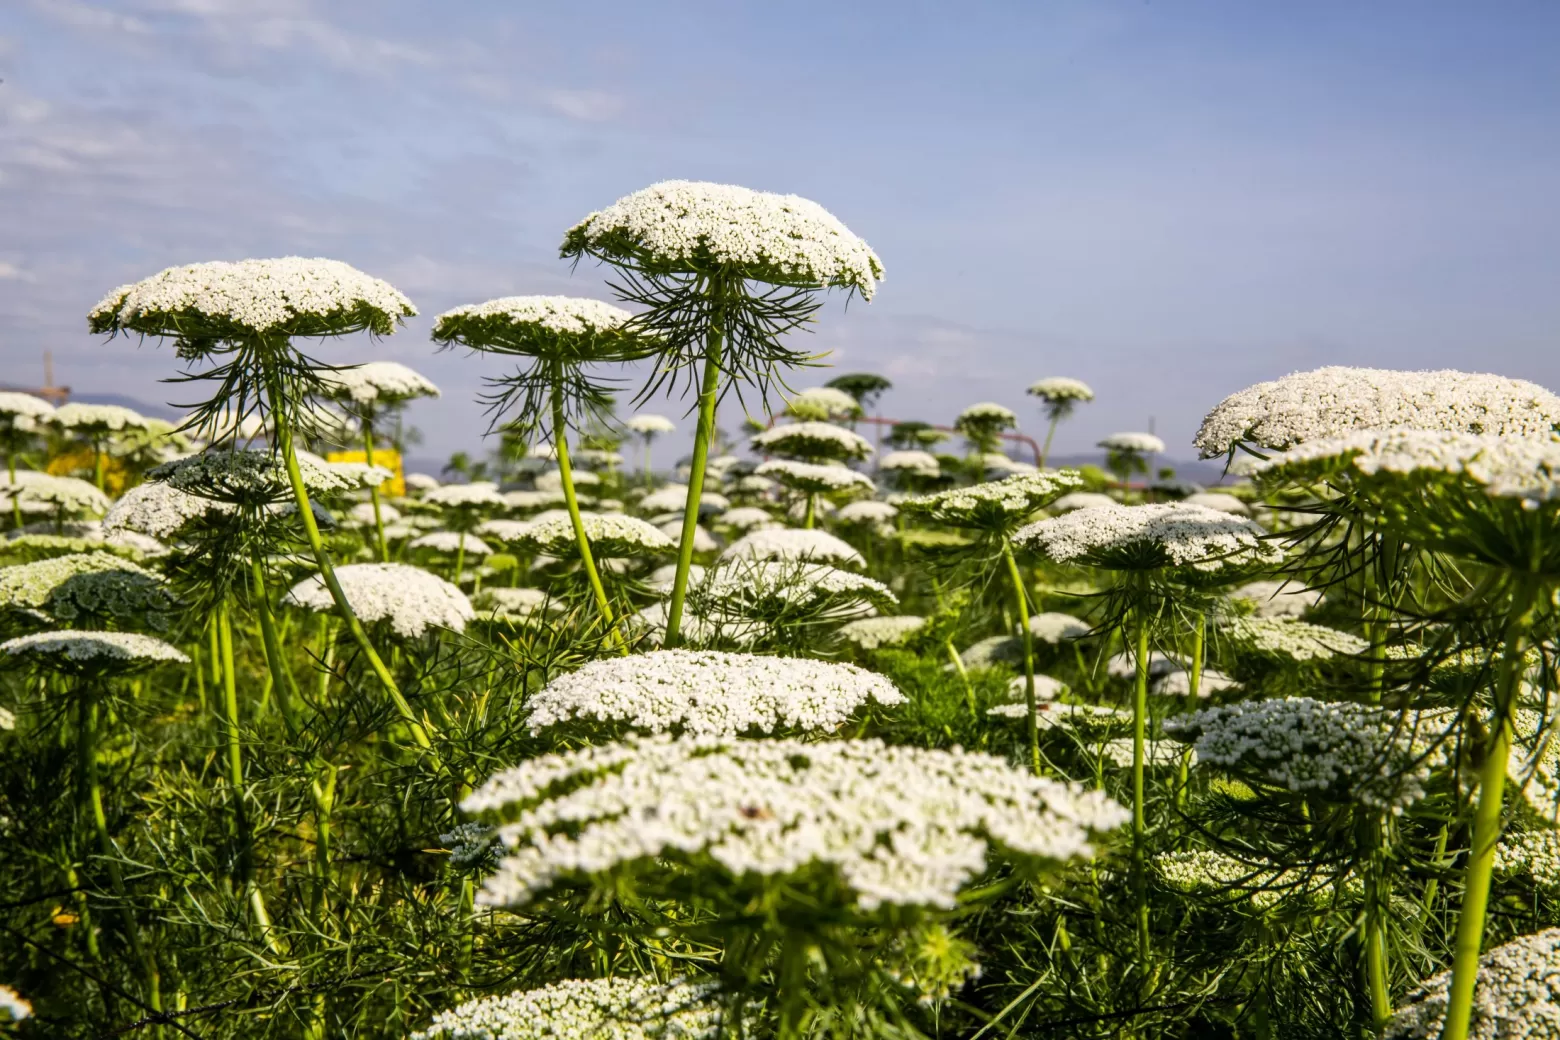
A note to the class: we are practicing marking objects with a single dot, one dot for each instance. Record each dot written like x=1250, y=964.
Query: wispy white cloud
x=590, y=106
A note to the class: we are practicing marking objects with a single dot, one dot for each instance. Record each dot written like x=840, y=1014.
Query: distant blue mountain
x=155, y=411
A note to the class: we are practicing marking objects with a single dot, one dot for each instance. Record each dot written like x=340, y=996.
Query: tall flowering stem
x=1486, y=816
x=1021, y=599
x=566, y=472
x=709, y=391
x=373, y=493
x=1139, y=726
x=284, y=435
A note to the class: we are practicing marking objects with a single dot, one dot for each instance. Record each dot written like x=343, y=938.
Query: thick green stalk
x=99, y=465
x=235, y=753
x=958, y=666
x=324, y=795
x=328, y=574
x=1045, y=450
x=1027, y=638
x=373, y=493
x=1194, y=675
x=16, y=499
x=1377, y=896
x=1139, y=837
x=709, y=390
x=566, y=473
x=281, y=678
x=460, y=559
x=89, y=764
x=1486, y=815
x=812, y=505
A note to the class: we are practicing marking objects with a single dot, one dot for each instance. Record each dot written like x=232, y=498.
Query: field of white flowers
x=839, y=733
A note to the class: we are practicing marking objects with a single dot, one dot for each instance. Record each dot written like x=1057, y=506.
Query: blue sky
x=1168, y=200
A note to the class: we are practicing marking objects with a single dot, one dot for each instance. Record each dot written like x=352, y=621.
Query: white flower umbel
x=97, y=417
x=1290, y=638
x=479, y=494
x=503, y=530
x=1157, y=754
x=760, y=588
x=703, y=541
x=586, y=1009
x=998, y=502
x=823, y=403
x=1060, y=388
x=1053, y=627
x=1080, y=500
x=812, y=440
x=1218, y=500
x=1050, y=714
x=672, y=497
x=362, y=514
x=1534, y=853
x=1331, y=402
x=1533, y=763
x=259, y=478
x=649, y=424
x=43, y=492
x=1148, y=537
x=611, y=535
x=1517, y=995
x=706, y=692
x=421, y=481
x=286, y=296
x=1276, y=599
x=682, y=225
x=1134, y=443
x=1343, y=751
x=377, y=382
x=409, y=599
x=30, y=586
x=20, y=410
x=1521, y=467
x=987, y=413
x=526, y=501
x=814, y=478
x=901, y=825
x=877, y=632
x=451, y=542
x=744, y=518
x=1124, y=665
x=92, y=651
x=1179, y=684
x=552, y=480
x=791, y=543
x=866, y=511
x=917, y=463
x=511, y=601
x=661, y=578
x=1203, y=870
x=12, y=1007
x=1047, y=688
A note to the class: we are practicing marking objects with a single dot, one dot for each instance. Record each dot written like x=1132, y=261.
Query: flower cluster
x=19, y=409
x=867, y=511
x=814, y=478
x=1224, y=503
x=1504, y=466
x=1148, y=537
x=902, y=825
x=451, y=542
x=792, y=543
x=409, y=599
x=998, y=502
x=875, y=632
x=1289, y=638
x=1330, y=402
x=987, y=414
x=1517, y=995
x=97, y=417
x=1061, y=388
x=92, y=651
x=710, y=693
x=687, y=225
x=1081, y=500
x=158, y=510
x=259, y=478
x=511, y=600
x=479, y=494
x=377, y=382
x=1134, y=443
x=1535, y=853
x=287, y=296
x=1276, y=599
x=920, y=463
x=610, y=535
x=31, y=586
x=823, y=402
x=1203, y=870
x=812, y=440
x=12, y=1007
x=756, y=587
x=45, y=492
x=745, y=518
x=586, y=1009
x=648, y=425
x=1052, y=627
x=1353, y=752
x=125, y=594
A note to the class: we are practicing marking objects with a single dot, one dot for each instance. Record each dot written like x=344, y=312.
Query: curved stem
x=328, y=575
x=89, y=765
x=1139, y=720
x=708, y=392
x=1486, y=815
x=566, y=472
x=1045, y=450
x=1028, y=639
x=373, y=493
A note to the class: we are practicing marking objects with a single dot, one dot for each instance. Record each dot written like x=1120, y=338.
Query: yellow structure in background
x=389, y=458
x=81, y=462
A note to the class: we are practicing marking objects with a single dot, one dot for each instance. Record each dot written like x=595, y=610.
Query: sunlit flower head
x=408, y=599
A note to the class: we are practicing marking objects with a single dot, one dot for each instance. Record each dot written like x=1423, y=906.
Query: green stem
x=328, y=574
x=1486, y=815
x=235, y=753
x=89, y=763
x=1021, y=598
x=1139, y=721
x=460, y=558
x=708, y=392
x=373, y=492
x=647, y=460
x=566, y=473
x=99, y=465
x=324, y=795
x=958, y=666
x=1194, y=676
x=16, y=497
x=1377, y=901
x=1045, y=450
x=281, y=678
